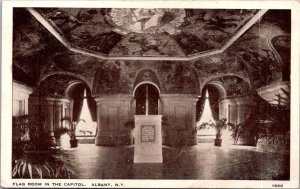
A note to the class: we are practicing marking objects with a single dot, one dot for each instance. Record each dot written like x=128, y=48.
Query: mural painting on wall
x=111, y=78
x=147, y=75
x=256, y=56
x=78, y=64
x=233, y=85
x=218, y=65
x=55, y=84
x=121, y=76
x=179, y=77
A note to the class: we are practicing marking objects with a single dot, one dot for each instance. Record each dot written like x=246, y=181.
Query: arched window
x=146, y=96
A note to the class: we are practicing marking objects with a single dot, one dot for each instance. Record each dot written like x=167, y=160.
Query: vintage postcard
x=139, y=94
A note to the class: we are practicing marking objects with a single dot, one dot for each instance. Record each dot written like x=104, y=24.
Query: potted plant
x=251, y=131
x=72, y=126
x=219, y=126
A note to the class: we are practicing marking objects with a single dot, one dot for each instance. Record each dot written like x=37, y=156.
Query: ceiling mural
x=28, y=37
x=261, y=55
x=215, y=26
x=146, y=32
x=102, y=42
x=147, y=45
x=147, y=21
x=32, y=44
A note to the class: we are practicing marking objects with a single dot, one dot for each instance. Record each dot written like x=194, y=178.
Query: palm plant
x=219, y=126
x=72, y=126
x=252, y=130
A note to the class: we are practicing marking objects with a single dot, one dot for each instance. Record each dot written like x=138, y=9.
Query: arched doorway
x=207, y=108
x=146, y=99
x=83, y=111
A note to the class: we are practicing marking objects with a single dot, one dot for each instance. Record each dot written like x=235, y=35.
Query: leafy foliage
x=72, y=127
x=36, y=156
x=41, y=165
x=219, y=126
x=269, y=122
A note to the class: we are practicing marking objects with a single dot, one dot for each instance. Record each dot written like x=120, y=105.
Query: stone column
x=49, y=117
x=113, y=111
x=58, y=114
x=237, y=106
x=179, y=119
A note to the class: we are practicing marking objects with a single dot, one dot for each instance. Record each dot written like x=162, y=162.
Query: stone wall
x=179, y=119
x=113, y=112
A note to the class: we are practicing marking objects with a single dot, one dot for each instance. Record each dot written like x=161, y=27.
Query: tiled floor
x=203, y=161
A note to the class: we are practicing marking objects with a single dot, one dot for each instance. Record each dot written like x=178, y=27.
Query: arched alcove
x=146, y=76
x=215, y=92
x=146, y=99
x=76, y=91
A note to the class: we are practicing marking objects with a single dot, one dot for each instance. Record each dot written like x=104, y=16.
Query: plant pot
x=73, y=143
x=218, y=142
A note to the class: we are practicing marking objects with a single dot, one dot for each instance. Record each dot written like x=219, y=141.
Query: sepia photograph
x=105, y=95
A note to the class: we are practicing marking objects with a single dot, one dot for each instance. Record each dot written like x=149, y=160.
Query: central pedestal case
x=148, y=139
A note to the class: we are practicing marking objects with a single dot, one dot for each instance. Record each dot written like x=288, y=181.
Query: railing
x=86, y=139
x=205, y=138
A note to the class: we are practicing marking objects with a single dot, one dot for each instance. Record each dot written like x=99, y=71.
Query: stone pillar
x=57, y=114
x=179, y=119
x=49, y=117
x=235, y=107
x=47, y=110
x=113, y=111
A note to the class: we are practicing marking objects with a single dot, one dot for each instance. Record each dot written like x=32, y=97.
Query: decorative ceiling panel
x=146, y=32
x=147, y=45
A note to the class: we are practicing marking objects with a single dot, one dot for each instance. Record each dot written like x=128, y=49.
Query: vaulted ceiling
x=146, y=32
x=252, y=44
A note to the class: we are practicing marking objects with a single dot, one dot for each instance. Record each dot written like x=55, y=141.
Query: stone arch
x=218, y=85
x=76, y=91
x=78, y=76
x=146, y=75
x=146, y=82
x=211, y=78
